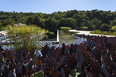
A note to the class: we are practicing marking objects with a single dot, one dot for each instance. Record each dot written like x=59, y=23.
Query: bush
x=113, y=28
x=104, y=27
x=104, y=32
x=21, y=35
x=115, y=33
x=84, y=27
x=97, y=31
x=65, y=28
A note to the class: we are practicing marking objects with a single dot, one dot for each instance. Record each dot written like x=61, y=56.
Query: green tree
x=104, y=27
x=70, y=22
x=89, y=25
x=97, y=23
x=113, y=23
x=0, y=25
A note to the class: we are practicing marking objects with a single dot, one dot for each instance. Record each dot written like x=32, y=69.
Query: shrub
x=115, y=33
x=84, y=27
x=113, y=28
x=104, y=27
x=104, y=32
x=65, y=28
x=97, y=31
x=23, y=34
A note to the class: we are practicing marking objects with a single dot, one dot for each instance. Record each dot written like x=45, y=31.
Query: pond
x=7, y=42
x=64, y=37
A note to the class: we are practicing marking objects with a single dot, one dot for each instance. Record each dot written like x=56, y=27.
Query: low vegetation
x=64, y=61
x=24, y=30
x=84, y=27
x=25, y=35
x=65, y=28
x=102, y=32
x=93, y=19
x=113, y=28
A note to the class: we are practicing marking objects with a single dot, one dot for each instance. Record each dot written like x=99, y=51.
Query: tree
x=97, y=23
x=78, y=19
x=8, y=21
x=113, y=23
x=70, y=22
x=29, y=21
x=0, y=25
x=104, y=27
x=89, y=25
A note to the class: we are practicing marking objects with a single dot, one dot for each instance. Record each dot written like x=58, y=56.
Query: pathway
x=88, y=33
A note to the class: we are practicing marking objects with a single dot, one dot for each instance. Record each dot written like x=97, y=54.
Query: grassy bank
x=103, y=32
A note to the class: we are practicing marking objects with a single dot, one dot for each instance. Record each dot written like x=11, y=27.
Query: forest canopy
x=94, y=19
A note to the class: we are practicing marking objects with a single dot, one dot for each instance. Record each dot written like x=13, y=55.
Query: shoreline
x=88, y=33
x=3, y=32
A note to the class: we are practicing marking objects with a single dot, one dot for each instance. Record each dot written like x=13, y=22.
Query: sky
x=50, y=6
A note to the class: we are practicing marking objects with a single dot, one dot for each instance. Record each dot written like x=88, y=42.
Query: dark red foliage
x=94, y=57
x=45, y=50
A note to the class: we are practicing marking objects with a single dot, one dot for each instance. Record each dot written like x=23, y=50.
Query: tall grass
x=26, y=35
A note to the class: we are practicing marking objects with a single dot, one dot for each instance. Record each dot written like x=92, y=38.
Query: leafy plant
x=97, y=31
x=74, y=73
x=65, y=28
x=26, y=35
x=104, y=32
x=84, y=27
x=38, y=74
x=115, y=33
x=113, y=28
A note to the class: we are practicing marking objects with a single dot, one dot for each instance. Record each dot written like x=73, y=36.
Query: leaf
x=67, y=71
x=70, y=58
x=35, y=59
x=62, y=72
x=45, y=50
x=18, y=52
x=63, y=48
x=56, y=74
x=30, y=66
x=19, y=67
x=1, y=55
x=13, y=55
x=10, y=74
x=96, y=67
x=74, y=73
x=114, y=73
x=8, y=55
x=60, y=62
x=87, y=58
x=37, y=74
x=28, y=58
x=25, y=50
x=32, y=51
x=71, y=49
x=57, y=52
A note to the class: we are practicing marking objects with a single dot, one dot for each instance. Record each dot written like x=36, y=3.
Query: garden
x=91, y=56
